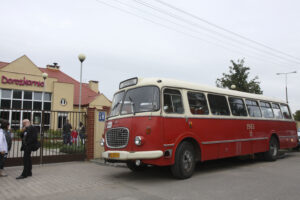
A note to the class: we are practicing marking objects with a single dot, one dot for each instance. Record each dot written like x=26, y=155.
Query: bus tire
x=184, y=161
x=135, y=168
x=272, y=154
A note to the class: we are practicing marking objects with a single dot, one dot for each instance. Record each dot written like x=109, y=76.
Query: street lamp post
x=286, y=90
x=81, y=58
x=45, y=76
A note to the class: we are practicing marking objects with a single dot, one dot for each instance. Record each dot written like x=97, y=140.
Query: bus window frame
x=257, y=101
x=226, y=97
x=288, y=107
x=243, y=99
x=182, y=100
x=270, y=103
x=279, y=109
x=207, y=104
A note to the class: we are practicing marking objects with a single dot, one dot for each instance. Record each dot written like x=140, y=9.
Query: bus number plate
x=114, y=155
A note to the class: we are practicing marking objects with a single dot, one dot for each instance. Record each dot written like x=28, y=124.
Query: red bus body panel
x=216, y=137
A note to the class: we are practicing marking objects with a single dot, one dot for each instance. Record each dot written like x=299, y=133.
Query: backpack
x=8, y=139
x=37, y=143
x=36, y=146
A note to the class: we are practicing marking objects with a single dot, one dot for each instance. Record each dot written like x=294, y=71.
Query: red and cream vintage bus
x=164, y=122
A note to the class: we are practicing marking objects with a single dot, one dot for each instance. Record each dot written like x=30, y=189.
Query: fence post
x=90, y=133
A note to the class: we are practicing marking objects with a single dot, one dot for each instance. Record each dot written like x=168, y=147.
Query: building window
x=13, y=101
x=16, y=104
x=5, y=104
x=47, y=96
x=63, y=102
x=62, y=118
x=27, y=95
x=6, y=94
x=37, y=96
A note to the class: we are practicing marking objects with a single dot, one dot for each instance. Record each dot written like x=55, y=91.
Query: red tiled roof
x=87, y=94
x=3, y=64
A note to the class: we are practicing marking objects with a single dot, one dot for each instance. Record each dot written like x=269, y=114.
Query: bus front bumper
x=126, y=155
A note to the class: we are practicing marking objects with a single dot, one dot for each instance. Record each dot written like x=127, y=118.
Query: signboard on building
x=24, y=81
x=101, y=116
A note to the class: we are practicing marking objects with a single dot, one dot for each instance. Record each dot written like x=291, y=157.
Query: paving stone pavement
x=49, y=179
x=226, y=179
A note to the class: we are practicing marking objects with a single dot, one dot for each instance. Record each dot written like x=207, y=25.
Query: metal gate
x=56, y=146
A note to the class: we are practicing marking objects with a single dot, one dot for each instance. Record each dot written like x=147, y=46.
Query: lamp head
x=81, y=57
x=233, y=87
x=44, y=75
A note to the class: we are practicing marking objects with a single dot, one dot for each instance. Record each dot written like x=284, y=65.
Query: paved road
x=230, y=179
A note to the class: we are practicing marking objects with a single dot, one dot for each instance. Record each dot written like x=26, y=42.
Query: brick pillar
x=90, y=133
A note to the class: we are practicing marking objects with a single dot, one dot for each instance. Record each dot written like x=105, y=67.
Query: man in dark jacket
x=29, y=141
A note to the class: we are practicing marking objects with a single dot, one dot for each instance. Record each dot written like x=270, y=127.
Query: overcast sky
x=120, y=45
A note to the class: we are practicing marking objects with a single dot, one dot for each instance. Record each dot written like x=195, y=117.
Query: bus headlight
x=102, y=142
x=139, y=140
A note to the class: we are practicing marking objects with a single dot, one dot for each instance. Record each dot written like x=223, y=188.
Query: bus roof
x=163, y=82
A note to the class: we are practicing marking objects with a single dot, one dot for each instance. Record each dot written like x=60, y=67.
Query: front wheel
x=184, y=161
x=272, y=154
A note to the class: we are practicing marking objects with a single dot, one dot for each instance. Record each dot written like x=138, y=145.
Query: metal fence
x=56, y=146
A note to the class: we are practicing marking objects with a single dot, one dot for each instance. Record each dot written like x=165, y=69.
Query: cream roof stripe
x=200, y=87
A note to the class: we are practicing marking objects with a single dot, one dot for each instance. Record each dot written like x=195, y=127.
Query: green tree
x=238, y=75
x=297, y=115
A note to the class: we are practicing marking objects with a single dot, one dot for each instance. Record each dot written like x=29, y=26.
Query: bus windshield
x=142, y=99
x=116, y=104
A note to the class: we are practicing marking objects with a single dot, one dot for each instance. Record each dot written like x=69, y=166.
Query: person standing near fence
x=29, y=141
x=3, y=151
x=6, y=132
x=67, y=132
x=82, y=132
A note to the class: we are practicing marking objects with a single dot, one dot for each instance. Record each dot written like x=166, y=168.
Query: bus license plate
x=114, y=155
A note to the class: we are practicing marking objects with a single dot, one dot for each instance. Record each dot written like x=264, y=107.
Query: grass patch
x=72, y=149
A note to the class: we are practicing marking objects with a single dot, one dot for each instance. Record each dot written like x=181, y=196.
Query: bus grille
x=117, y=138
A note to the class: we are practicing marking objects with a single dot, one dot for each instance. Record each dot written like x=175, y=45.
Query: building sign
x=101, y=116
x=24, y=81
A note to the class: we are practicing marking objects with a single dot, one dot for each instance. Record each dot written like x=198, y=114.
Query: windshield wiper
x=115, y=106
x=132, y=103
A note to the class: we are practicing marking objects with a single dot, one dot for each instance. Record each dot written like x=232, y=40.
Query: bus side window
x=237, y=106
x=173, y=101
x=218, y=104
x=197, y=103
x=277, y=111
x=285, y=111
x=266, y=110
x=253, y=108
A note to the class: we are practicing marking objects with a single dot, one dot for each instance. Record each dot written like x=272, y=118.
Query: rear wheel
x=134, y=167
x=272, y=154
x=184, y=161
